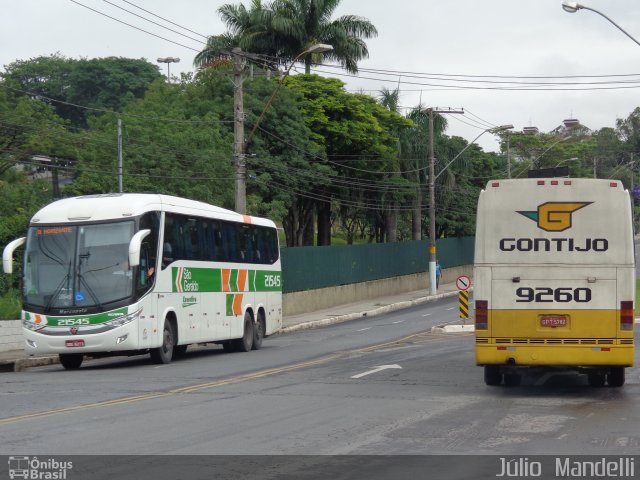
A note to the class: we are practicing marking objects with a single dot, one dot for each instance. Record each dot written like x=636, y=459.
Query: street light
x=566, y=160
x=241, y=144
x=168, y=61
x=572, y=7
x=432, y=203
x=501, y=128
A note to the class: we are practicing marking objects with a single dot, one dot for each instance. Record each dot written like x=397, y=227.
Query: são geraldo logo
x=555, y=216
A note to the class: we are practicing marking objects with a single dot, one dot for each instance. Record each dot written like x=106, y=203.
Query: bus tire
x=245, y=344
x=71, y=361
x=258, y=332
x=164, y=352
x=492, y=376
x=512, y=379
x=615, y=378
x=596, y=379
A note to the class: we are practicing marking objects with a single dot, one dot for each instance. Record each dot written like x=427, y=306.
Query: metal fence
x=307, y=268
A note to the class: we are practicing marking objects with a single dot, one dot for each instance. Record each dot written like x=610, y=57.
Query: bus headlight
x=34, y=327
x=120, y=321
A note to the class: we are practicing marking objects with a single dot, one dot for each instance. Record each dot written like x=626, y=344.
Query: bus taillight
x=482, y=322
x=626, y=315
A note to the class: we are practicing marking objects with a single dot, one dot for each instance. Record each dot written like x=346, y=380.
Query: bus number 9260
x=549, y=295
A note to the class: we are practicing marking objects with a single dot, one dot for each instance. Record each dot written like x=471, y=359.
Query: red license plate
x=553, y=321
x=74, y=343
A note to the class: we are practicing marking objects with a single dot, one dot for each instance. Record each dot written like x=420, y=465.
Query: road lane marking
x=426, y=314
x=377, y=369
x=399, y=321
x=219, y=383
x=363, y=329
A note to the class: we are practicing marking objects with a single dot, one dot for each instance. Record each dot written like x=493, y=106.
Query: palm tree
x=390, y=99
x=285, y=28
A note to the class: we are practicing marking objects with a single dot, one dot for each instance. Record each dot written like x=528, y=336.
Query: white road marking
x=426, y=314
x=376, y=370
x=363, y=329
x=451, y=308
x=399, y=321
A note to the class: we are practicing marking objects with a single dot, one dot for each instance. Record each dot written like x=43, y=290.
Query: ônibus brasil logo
x=554, y=216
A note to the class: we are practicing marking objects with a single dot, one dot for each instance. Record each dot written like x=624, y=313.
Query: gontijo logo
x=554, y=216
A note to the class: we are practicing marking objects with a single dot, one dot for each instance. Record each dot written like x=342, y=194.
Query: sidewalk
x=17, y=360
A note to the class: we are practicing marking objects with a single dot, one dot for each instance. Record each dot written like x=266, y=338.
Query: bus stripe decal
x=237, y=304
x=179, y=280
x=242, y=280
x=225, y=280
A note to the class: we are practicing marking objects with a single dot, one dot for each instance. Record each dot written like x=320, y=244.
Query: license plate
x=74, y=343
x=553, y=321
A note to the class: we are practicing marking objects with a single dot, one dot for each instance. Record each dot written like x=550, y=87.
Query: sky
x=455, y=54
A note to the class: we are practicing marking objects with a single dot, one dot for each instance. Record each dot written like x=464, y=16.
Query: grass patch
x=10, y=306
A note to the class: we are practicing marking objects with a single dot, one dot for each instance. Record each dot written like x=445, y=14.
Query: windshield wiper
x=57, y=291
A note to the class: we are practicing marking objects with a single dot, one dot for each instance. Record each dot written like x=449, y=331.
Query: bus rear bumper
x=553, y=355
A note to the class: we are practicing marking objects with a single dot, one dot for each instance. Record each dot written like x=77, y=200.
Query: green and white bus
x=135, y=273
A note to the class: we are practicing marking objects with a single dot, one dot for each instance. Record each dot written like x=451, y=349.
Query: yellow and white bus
x=135, y=273
x=554, y=279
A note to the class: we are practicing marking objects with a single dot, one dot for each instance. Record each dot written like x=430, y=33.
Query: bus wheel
x=616, y=377
x=596, y=379
x=71, y=361
x=512, y=379
x=492, y=376
x=245, y=343
x=164, y=352
x=258, y=332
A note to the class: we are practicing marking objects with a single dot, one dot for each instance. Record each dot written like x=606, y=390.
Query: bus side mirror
x=134, y=247
x=7, y=254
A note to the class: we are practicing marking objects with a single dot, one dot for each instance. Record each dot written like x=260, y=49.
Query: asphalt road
x=315, y=392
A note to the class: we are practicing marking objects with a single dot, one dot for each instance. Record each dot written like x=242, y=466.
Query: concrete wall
x=11, y=335
x=296, y=303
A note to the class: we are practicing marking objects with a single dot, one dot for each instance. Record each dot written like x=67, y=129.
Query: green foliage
x=99, y=83
x=10, y=305
x=286, y=28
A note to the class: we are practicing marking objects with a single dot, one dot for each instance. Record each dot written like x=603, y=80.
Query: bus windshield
x=79, y=266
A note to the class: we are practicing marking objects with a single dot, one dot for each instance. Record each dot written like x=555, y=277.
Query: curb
x=21, y=364
x=453, y=329
x=368, y=313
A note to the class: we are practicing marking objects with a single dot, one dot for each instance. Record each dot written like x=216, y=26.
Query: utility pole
x=508, y=157
x=432, y=199
x=120, y=155
x=238, y=134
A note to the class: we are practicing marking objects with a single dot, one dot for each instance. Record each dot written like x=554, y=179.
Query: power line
x=133, y=26
x=166, y=20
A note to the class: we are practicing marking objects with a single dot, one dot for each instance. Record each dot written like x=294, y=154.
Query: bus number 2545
x=561, y=295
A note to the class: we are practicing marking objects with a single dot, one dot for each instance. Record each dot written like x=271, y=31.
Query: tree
x=357, y=134
x=286, y=28
x=78, y=88
x=175, y=141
